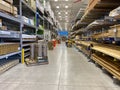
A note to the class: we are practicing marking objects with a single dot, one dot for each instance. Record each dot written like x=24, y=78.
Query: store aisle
x=68, y=70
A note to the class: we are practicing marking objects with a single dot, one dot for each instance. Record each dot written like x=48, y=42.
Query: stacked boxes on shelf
x=8, y=7
x=6, y=48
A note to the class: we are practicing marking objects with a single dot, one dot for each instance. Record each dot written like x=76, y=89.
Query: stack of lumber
x=100, y=35
x=115, y=13
x=99, y=24
x=98, y=8
x=108, y=50
x=114, y=31
x=111, y=66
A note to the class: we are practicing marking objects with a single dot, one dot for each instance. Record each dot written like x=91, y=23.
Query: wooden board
x=108, y=50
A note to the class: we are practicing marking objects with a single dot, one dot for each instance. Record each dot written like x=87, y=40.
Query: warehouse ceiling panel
x=67, y=11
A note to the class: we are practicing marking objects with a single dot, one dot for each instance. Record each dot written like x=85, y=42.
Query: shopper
x=90, y=52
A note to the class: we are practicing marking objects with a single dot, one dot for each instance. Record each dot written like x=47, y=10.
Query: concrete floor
x=68, y=70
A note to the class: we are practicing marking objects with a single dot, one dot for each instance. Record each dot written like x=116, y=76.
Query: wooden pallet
x=30, y=62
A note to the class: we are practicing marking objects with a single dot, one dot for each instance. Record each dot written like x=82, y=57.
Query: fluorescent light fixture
x=55, y=0
x=66, y=6
x=57, y=7
x=59, y=13
x=66, y=12
x=66, y=0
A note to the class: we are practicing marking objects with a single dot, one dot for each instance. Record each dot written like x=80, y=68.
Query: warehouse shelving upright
x=25, y=10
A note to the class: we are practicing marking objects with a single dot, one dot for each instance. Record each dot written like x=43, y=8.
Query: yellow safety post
x=23, y=54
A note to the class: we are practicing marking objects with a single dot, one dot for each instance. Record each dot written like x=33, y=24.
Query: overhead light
x=59, y=13
x=57, y=7
x=66, y=0
x=66, y=12
x=55, y=0
x=66, y=6
x=59, y=16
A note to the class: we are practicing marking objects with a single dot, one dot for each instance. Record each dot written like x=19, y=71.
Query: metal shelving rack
x=10, y=59
x=37, y=14
x=11, y=35
x=23, y=8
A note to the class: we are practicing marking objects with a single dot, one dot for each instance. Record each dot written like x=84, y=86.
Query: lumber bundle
x=106, y=62
x=99, y=24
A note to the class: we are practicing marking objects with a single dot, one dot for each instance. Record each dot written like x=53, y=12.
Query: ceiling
x=66, y=11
